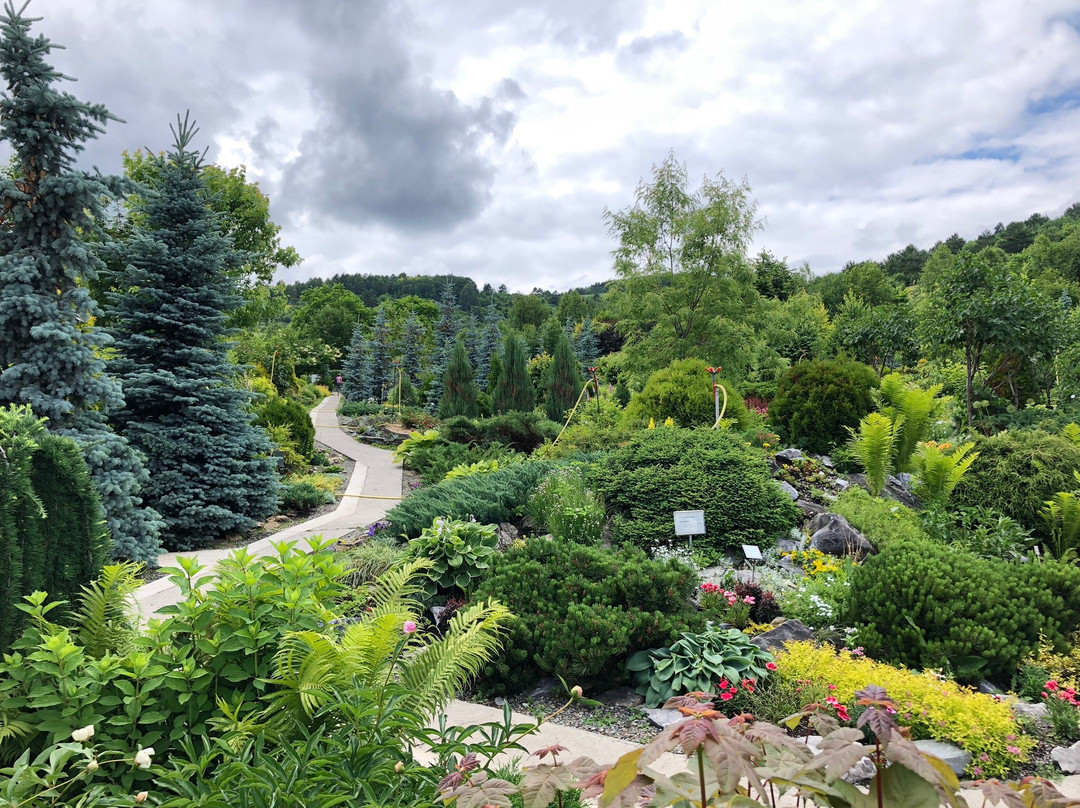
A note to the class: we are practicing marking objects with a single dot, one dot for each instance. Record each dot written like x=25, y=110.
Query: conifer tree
x=210, y=473
x=514, y=391
x=563, y=383
x=411, y=343
x=50, y=357
x=586, y=348
x=445, y=331
x=460, y=391
x=380, y=364
x=490, y=340
x=355, y=372
x=495, y=372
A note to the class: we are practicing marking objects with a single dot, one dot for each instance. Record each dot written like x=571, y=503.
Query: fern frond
x=873, y=446
x=1062, y=516
x=105, y=618
x=436, y=673
x=1071, y=432
x=396, y=589
x=307, y=667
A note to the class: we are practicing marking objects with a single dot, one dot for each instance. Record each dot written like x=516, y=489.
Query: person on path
x=338, y=382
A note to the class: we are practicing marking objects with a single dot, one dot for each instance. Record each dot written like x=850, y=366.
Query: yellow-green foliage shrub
x=931, y=707
x=330, y=483
x=882, y=521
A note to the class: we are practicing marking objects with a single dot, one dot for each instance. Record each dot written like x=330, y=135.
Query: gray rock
x=956, y=758
x=841, y=483
x=787, y=545
x=1028, y=709
x=545, y=687
x=437, y=613
x=663, y=718
x=620, y=697
x=500, y=701
x=830, y=533
x=1067, y=757
x=507, y=534
x=902, y=479
x=825, y=460
x=789, y=489
x=894, y=489
x=788, y=631
x=788, y=455
x=811, y=509
x=863, y=770
x=988, y=687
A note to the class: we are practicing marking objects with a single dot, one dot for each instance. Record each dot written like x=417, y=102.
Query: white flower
x=142, y=757
x=141, y=796
x=83, y=735
x=92, y=766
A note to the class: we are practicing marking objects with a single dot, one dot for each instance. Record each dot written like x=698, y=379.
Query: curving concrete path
x=373, y=488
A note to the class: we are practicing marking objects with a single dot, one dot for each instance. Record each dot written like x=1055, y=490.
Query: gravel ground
x=625, y=723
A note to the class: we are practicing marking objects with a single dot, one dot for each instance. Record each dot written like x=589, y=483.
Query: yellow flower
x=652, y=424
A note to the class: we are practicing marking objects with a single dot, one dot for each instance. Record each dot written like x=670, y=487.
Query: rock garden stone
x=895, y=489
x=788, y=631
x=955, y=757
x=1028, y=709
x=789, y=489
x=788, y=456
x=506, y=534
x=810, y=509
x=620, y=697
x=863, y=770
x=841, y=483
x=545, y=687
x=824, y=460
x=663, y=718
x=1067, y=757
x=830, y=533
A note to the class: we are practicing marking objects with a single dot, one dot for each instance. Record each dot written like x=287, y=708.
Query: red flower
x=724, y=684
x=770, y=666
x=727, y=696
x=1052, y=685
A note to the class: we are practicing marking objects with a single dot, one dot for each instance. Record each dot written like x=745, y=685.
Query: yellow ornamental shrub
x=930, y=706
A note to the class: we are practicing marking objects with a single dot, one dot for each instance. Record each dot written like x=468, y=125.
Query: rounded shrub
x=683, y=392
x=816, y=401
x=1017, y=472
x=581, y=610
x=663, y=470
x=927, y=605
x=278, y=411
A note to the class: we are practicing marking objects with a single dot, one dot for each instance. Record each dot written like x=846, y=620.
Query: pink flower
x=832, y=687
x=748, y=599
x=727, y=695
x=724, y=684
x=1013, y=750
x=770, y=666
x=409, y=627
x=832, y=701
x=842, y=713
x=1052, y=685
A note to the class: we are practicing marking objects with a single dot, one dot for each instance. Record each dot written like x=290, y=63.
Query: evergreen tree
x=549, y=336
x=514, y=391
x=490, y=339
x=380, y=367
x=460, y=391
x=473, y=340
x=411, y=343
x=210, y=473
x=445, y=331
x=50, y=358
x=495, y=372
x=586, y=348
x=563, y=381
x=355, y=372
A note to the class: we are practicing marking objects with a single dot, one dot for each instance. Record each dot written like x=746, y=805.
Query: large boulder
x=1067, y=757
x=830, y=533
x=895, y=489
x=788, y=631
x=953, y=756
x=788, y=456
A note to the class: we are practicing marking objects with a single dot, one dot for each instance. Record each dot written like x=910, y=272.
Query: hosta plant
x=459, y=552
x=697, y=662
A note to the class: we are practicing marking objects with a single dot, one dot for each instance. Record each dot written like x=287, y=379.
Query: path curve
x=370, y=492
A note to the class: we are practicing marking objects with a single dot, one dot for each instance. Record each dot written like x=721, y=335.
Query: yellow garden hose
x=722, y=409
x=571, y=416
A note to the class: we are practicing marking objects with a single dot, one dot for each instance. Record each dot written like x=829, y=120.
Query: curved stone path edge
x=369, y=494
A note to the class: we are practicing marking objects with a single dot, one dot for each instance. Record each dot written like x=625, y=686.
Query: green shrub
x=52, y=530
x=1017, y=472
x=489, y=498
x=432, y=460
x=884, y=522
x=365, y=563
x=817, y=401
x=356, y=409
x=696, y=662
x=567, y=509
x=581, y=610
x=459, y=551
x=591, y=430
x=683, y=391
x=520, y=431
x=303, y=496
x=663, y=470
x=278, y=411
x=927, y=605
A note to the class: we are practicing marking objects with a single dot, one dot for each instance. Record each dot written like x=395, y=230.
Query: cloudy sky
x=486, y=137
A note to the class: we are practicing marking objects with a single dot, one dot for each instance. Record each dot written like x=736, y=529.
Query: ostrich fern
x=873, y=445
x=938, y=470
x=311, y=668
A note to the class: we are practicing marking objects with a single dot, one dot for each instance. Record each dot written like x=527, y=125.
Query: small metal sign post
x=752, y=553
x=690, y=524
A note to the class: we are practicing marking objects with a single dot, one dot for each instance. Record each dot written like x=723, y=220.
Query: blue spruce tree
x=380, y=358
x=412, y=342
x=444, y=337
x=210, y=473
x=50, y=358
x=586, y=348
x=356, y=371
x=490, y=342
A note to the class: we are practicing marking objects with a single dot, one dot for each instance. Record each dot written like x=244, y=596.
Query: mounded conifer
x=50, y=355
x=210, y=473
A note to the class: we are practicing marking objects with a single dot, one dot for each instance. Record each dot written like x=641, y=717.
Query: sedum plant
x=696, y=662
x=458, y=553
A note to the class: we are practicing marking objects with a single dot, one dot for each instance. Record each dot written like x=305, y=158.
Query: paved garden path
x=371, y=491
